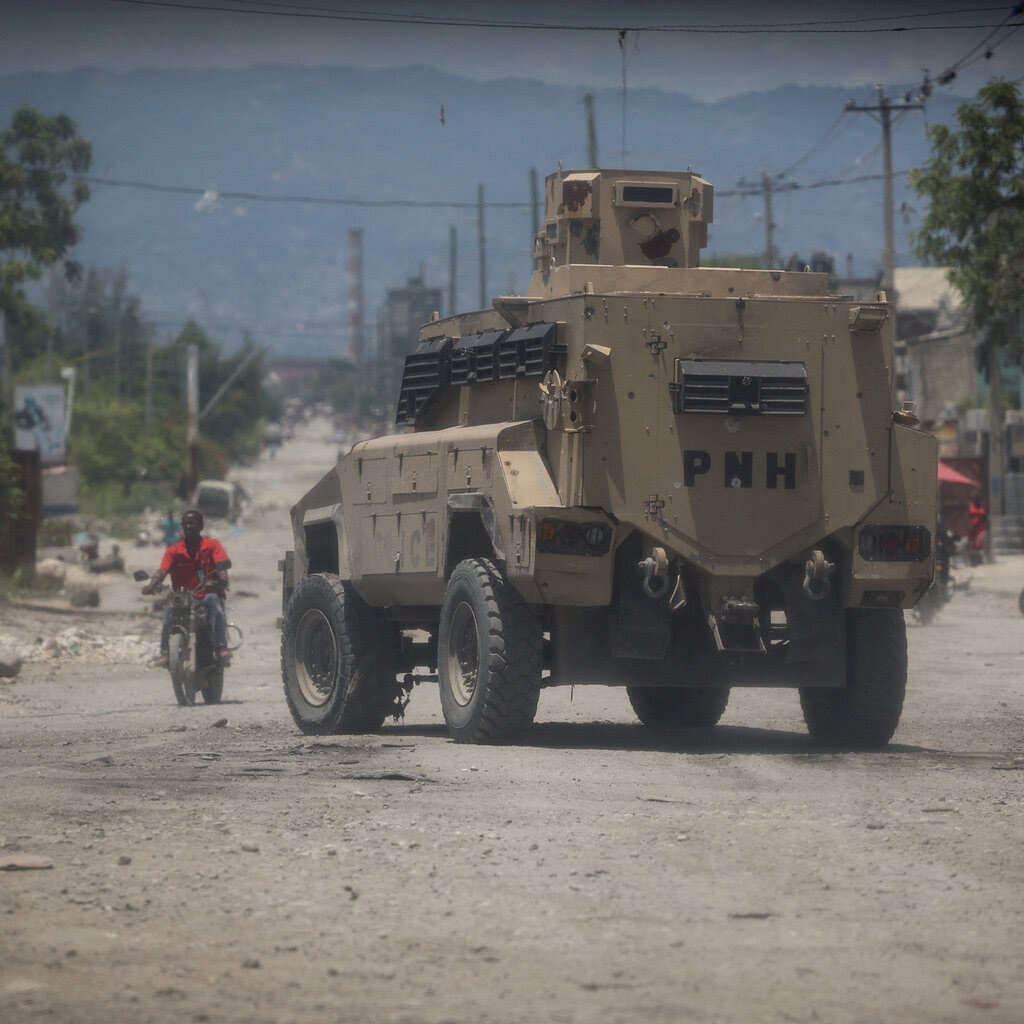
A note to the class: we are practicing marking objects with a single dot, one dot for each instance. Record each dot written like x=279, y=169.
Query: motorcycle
x=193, y=665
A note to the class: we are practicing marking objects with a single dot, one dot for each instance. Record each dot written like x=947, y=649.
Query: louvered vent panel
x=740, y=388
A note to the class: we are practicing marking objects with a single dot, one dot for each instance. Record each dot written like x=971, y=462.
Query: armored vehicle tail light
x=563, y=537
x=895, y=543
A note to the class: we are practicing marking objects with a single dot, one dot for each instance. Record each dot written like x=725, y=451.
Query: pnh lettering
x=738, y=468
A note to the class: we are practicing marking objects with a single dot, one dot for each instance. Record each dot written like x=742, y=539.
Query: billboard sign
x=39, y=422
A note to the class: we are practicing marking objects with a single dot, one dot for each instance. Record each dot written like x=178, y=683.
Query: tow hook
x=655, y=568
x=816, y=576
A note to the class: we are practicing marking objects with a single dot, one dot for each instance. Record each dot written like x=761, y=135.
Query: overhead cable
x=830, y=26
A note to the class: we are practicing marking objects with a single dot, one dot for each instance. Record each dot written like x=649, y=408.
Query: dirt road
x=214, y=865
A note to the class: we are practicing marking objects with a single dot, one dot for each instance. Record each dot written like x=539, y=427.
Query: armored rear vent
x=426, y=373
x=528, y=351
x=505, y=355
x=475, y=358
x=739, y=388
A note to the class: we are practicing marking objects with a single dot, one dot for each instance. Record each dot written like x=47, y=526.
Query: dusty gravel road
x=214, y=865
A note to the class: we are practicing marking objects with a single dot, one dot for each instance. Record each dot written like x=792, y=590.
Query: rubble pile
x=81, y=644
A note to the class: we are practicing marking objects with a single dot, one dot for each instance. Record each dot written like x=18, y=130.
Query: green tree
x=232, y=422
x=39, y=195
x=41, y=158
x=974, y=184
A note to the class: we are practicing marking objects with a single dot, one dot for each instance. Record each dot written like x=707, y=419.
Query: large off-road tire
x=180, y=667
x=866, y=712
x=213, y=685
x=664, y=707
x=338, y=659
x=489, y=656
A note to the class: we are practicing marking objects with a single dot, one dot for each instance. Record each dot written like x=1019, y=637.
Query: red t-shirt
x=182, y=566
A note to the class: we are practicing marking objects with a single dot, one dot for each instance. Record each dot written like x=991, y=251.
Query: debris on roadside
x=80, y=644
x=83, y=597
x=10, y=664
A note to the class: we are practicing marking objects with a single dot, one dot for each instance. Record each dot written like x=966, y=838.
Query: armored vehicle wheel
x=213, y=685
x=677, y=707
x=867, y=710
x=181, y=670
x=489, y=656
x=337, y=659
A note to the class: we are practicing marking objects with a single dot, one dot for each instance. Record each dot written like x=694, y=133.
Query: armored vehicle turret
x=643, y=473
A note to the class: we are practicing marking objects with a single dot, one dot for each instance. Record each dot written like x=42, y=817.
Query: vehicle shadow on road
x=722, y=739
x=627, y=736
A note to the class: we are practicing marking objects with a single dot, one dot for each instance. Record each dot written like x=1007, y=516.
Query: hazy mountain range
x=313, y=153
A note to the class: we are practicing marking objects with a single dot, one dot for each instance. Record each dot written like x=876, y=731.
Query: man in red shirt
x=193, y=559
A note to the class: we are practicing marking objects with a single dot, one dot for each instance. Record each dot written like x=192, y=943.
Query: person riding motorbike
x=195, y=563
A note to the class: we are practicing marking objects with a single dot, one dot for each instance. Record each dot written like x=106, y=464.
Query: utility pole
x=148, y=405
x=453, y=265
x=482, y=245
x=534, y=200
x=884, y=110
x=6, y=390
x=767, y=188
x=51, y=327
x=192, y=420
x=117, y=353
x=355, y=296
x=769, y=223
x=588, y=105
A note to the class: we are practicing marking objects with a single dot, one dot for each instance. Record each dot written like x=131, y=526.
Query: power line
x=950, y=73
x=258, y=197
x=825, y=26
x=418, y=203
x=817, y=147
x=795, y=186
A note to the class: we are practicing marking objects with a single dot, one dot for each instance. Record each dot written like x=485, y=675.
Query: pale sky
x=708, y=50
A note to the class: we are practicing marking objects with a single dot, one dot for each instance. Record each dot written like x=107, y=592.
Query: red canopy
x=948, y=475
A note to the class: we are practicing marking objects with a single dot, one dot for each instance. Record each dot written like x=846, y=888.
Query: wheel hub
x=463, y=654
x=316, y=657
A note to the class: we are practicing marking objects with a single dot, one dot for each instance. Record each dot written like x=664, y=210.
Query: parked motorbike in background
x=193, y=663
x=940, y=592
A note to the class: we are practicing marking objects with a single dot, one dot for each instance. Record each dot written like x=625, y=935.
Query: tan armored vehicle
x=642, y=473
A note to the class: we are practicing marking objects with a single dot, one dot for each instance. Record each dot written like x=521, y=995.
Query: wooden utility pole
x=588, y=105
x=769, y=222
x=482, y=245
x=534, y=200
x=884, y=109
x=453, y=268
x=6, y=389
x=996, y=422
x=148, y=407
x=51, y=327
x=192, y=429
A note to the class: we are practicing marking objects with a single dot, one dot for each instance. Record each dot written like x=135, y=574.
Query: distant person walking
x=171, y=528
x=977, y=533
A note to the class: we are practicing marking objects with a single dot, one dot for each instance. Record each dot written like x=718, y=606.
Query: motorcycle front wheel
x=181, y=670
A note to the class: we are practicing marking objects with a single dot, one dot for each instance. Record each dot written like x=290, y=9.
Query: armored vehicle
x=642, y=473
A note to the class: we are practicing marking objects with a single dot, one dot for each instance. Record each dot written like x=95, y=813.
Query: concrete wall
x=940, y=372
